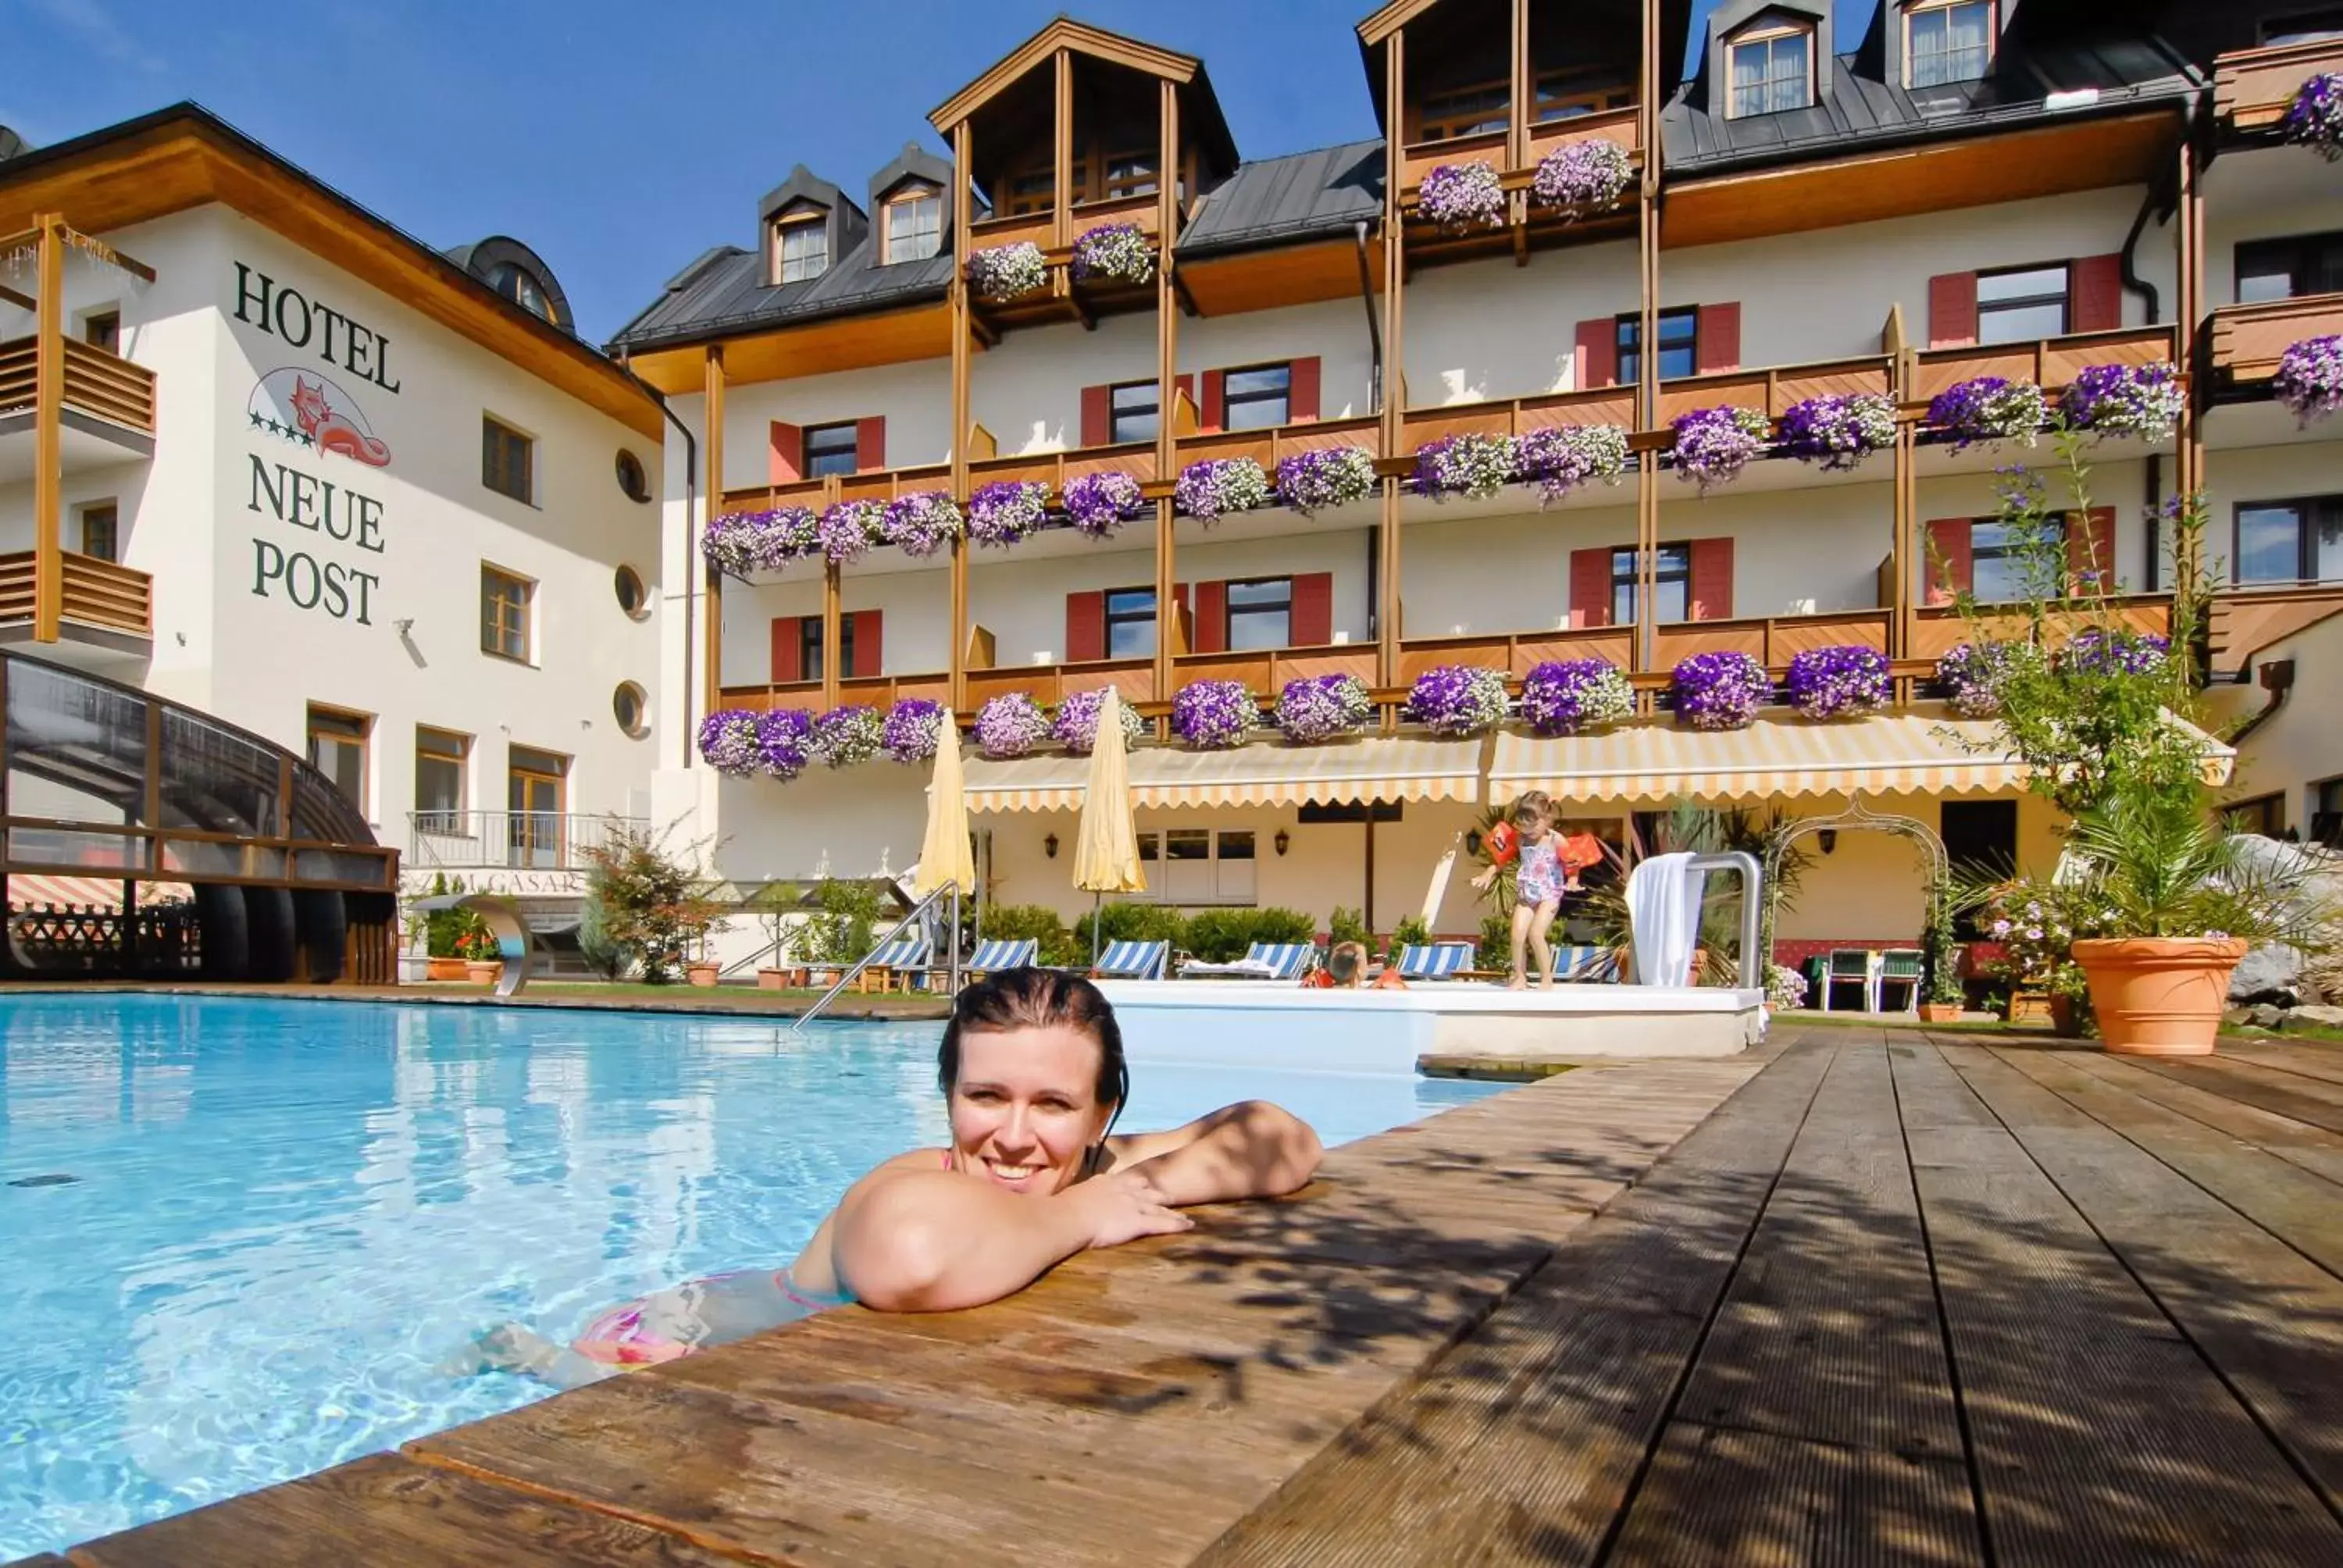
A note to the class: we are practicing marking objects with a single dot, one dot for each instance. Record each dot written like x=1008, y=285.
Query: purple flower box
x=1008, y=272
x=1007, y=510
x=1321, y=707
x=1988, y=409
x=844, y=737
x=849, y=530
x=2315, y=118
x=1212, y=715
x=1309, y=482
x=1971, y=676
x=1588, y=176
x=740, y=543
x=784, y=743
x=1839, y=431
x=1476, y=467
x=1115, y=252
x=2097, y=652
x=1075, y=726
x=1839, y=682
x=1210, y=489
x=1720, y=690
x=1714, y=445
x=914, y=726
x=727, y=742
x=922, y=522
x=1562, y=458
x=1566, y=697
x=2310, y=379
x=1458, y=699
x=1099, y=503
x=1011, y=725
x=2142, y=400
x=1461, y=197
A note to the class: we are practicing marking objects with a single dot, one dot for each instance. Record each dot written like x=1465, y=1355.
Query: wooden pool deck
x=1862, y=1297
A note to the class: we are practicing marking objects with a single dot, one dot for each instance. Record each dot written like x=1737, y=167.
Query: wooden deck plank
x=2313, y=1149
x=2100, y=1436
x=2309, y=1057
x=2285, y=1094
x=1522, y=1442
x=2271, y=1321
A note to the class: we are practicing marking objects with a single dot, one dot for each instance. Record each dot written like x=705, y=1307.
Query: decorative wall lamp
x=1828, y=838
x=1282, y=840
x=1050, y=845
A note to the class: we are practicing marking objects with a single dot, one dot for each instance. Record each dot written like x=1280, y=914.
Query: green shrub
x=1132, y=924
x=848, y=926
x=1411, y=932
x=1496, y=951
x=602, y=954
x=656, y=909
x=1219, y=935
x=1348, y=926
x=1012, y=922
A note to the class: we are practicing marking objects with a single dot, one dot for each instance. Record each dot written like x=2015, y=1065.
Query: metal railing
x=526, y=840
x=898, y=929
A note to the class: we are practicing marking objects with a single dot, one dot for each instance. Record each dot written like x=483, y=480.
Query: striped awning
x=1266, y=773
x=27, y=891
x=1925, y=749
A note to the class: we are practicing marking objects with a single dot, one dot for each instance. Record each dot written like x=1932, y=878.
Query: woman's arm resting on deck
x=1249, y=1150
x=930, y=1241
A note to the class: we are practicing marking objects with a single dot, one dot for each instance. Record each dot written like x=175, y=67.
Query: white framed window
x=1201, y=865
x=2022, y=304
x=915, y=225
x=1771, y=67
x=507, y=461
x=800, y=248
x=1946, y=41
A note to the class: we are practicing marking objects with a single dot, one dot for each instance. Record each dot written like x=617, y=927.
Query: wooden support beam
x=1167, y=365
x=48, y=415
x=712, y=631
x=1061, y=225
x=1900, y=550
x=1388, y=613
x=1517, y=130
x=21, y=301
x=833, y=608
x=965, y=326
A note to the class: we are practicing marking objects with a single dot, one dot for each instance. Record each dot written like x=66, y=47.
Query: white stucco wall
x=2266, y=192
x=915, y=399
x=2236, y=475
x=2300, y=746
x=1488, y=329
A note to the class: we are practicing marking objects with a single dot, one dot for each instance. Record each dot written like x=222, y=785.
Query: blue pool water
x=282, y=1215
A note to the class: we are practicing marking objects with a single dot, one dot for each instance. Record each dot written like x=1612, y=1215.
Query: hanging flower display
x=1011, y=725
x=1586, y=175
x=1475, y=466
x=1971, y=674
x=1714, y=445
x=1988, y=409
x=1460, y=198
x=740, y=543
x=913, y=727
x=1103, y=502
x=922, y=522
x=1213, y=714
x=1075, y=726
x=2100, y=652
x=727, y=741
x=1839, y=682
x=1458, y=699
x=1720, y=690
x=846, y=735
x=1562, y=458
x=1318, y=708
x=1565, y=697
x=2315, y=118
x=1210, y=489
x=1008, y=272
x=1309, y=482
x=784, y=743
x=2310, y=379
x=848, y=529
x=1115, y=252
x=2142, y=400
x=1006, y=510
x=1838, y=432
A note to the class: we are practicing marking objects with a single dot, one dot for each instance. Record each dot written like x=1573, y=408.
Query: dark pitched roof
x=1292, y=197
x=914, y=162
x=481, y=257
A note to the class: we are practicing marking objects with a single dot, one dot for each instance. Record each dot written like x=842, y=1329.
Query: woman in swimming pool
x=1033, y=1072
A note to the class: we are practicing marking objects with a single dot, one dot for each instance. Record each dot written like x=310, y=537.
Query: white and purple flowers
x=1475, y=467
x=784, y=743
x=1309, y=482
x=849, y=530
x=914, y=726
x=1567, y=697
x=1844, y=682
x=1988, y=409
x=1214, y=714
x=2142, y=400
x=1720, y=690
x=1011, y=725
x=727, y=741
x=1008, y=272
x=1714, y=445
x=1115, y=252
x=921, y=523
x=1323, y=707
x=2315, y=118
x=1586, y=175
x=1971, y=674
x=740, y=543
x=2310, y=379
x=1210, y=489
x=1461, y=197
x=1561, y=458
x=1458, y=699
x=1099, y=503
x=1075, y=728
x=1006, y=510
x=1839, y=431
x=844, y=737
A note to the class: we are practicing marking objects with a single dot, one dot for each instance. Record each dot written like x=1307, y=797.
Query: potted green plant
x=415, y=948
x=652, y=907
x=1942, y=1001
x=482, y=962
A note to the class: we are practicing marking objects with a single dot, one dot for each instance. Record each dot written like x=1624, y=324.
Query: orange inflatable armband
x=1504, y=843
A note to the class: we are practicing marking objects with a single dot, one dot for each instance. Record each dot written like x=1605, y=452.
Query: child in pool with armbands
x=1550, y=866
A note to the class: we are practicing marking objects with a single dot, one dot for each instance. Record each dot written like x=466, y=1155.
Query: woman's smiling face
x=1025, y=1110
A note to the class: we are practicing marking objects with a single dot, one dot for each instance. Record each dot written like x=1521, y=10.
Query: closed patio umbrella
x=1106, y=850
x=945, y=859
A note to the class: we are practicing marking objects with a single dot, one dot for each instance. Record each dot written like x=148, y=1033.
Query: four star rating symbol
x=290, y=432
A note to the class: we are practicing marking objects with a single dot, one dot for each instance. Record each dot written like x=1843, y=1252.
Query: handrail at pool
x=1752, y=965
x=896, y=930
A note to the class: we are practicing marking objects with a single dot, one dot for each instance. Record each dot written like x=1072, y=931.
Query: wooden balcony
x=2253, y=88
x=1516, y=653
x=2050, y=364
x=1938, y=630
x=1418, y=159
x=1623, y=125
x=877, y=484
x=1265, y=671
x=1776, y=390
x=99, y=385
x=1269, y=447
x=2245, y=619
x=1146, y=211
x=1039, y=228
x=99, y=595
x=1134, y=680
x=1772, y=641
x=2246, y=341
x=1513, y=417
x=1136, y=458
x=772, y=695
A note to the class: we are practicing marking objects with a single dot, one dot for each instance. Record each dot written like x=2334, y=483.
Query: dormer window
x=1130, y=174
x=914, y=219
x=1471, y=111
x=801, y=246
x=1770, y=65
x=520, y=286
x=1946, y=41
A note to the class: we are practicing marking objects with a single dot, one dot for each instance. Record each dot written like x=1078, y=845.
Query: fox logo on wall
x=307, y=408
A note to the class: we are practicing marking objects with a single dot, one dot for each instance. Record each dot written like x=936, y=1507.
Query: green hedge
x=1010, y=923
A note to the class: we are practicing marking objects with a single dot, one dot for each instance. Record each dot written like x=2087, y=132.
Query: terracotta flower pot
x=779, y=979
x=1940, y=1013
x=701, y=974
x=2160, y=996
x=482, y=973
x=443, y=970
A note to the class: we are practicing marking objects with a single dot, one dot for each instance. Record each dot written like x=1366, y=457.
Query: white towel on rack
x=1664, y=898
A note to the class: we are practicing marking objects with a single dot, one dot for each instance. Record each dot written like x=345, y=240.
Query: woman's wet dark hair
x=1038, y=999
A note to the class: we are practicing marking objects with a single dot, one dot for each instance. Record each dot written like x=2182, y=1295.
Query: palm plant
x=2154, y=864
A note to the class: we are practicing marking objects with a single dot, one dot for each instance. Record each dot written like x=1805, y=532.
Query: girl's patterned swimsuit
x=1540, y=880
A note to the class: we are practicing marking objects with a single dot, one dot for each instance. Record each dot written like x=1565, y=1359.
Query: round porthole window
x=633, y=597
x=631, y=709
x=631, y=477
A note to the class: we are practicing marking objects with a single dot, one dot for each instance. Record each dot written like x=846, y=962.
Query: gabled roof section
x=1064, y=33
x=1299, y=196
x=913, y=163
x=803, y=185
x=1390, y=20
x=726, y=293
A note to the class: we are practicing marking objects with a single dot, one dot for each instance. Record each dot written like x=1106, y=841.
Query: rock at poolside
x=2314, y=1017
x=2273, y=972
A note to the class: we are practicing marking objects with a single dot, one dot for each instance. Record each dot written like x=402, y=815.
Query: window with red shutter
x=2096, y=303
x=1590, y=586
x=1313, y=610
x=1215, y=411
x=1947, y=572
x=1211, y=616
x=870, y=444
x=1095, y=415
x=1952, y=310
x=1719, y=346
x=1598, y=353
x=1303, y=389
x=1085, y=627
x=1711, y=597
x=787, y=649
x=2091, y=551
x=865, y=651
x=785, y=460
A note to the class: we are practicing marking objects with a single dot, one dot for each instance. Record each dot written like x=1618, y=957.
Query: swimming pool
x=281, y=1216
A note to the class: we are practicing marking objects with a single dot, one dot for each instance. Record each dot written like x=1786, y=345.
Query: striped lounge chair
x=1133, y=961
x=1592, y=965
x=994, y=954
x=1434, y=960
x=895, y=962
x=1263, y=961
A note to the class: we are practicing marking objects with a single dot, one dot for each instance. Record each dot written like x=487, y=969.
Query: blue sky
x=619, y=150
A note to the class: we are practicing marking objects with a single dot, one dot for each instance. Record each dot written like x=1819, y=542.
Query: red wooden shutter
x=1712, y=579
x=867, y=658
x=870, y=444
x=1312, y=623
x=1590, y=588
x=1598, y=353
x=1719, y=344
x=2094, y=294
x=1085, y=627
x=786, y=646
x=1097, y=415
x=1212, y=618
x=1214, y=410
x=1952, y=310
x=785, y=460
x=2091, y=551
x=1302, y=390
x=1948, y=571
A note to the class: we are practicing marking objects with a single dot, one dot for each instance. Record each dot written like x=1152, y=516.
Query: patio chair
x=1851, y=966
x=1903, y=967
x=1263, y=961
x=900, y=959
x=1590, y=965
x=1132, y=960
x=994, y=954
x=1433, y=960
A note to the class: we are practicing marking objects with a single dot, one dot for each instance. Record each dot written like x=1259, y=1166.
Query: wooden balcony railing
x=2245, y=619
x=1268, y=446
x=1778, y=389
x=1265, y=671
x=1136, y=458
x=877, y=485
x=1146, y=211
x=1623, y=125
x=1033, y=227
x=95, y=593
x=2253, y=88
x=1420, y=158
x=2050, y=364
x=95, y=382
x=1772, y=641
x=2247, y=340
x=1938, y=630
x=1516, y=653
x=1134, y=680
x=772, y=695
x=1517, y=415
